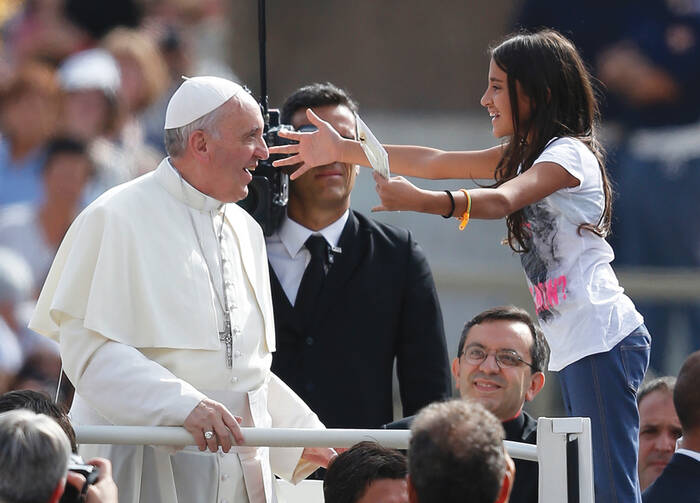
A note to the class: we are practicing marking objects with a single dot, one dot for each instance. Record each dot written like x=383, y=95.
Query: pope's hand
x=211, y=425
x=314, y=149
x=396, y=194
x=321, y=456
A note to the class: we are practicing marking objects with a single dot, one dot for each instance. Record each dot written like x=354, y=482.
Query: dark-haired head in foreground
x=364, y=473
x=39, y=403
x=456, y=454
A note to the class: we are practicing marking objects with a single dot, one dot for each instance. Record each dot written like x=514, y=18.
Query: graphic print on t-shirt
x=542, y=259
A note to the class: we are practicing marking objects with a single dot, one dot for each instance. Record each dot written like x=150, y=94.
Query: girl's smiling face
x=496, y=100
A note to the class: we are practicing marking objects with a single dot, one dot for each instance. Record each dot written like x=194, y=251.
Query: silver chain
x=224, y=303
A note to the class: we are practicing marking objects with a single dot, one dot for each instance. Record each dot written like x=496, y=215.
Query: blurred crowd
x=83, y=91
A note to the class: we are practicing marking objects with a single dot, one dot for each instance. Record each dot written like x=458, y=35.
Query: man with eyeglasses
x=500, y=363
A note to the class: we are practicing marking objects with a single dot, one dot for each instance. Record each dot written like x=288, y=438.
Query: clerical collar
x=169, y=178
x=293, y=235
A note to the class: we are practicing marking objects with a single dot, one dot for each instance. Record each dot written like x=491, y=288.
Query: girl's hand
x=397, y=194
x=318, y=148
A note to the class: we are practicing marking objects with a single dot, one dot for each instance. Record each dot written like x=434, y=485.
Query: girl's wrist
x=349, y=151
x=433, y=202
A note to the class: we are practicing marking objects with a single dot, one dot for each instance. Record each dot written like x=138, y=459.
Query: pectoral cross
x=226, y=337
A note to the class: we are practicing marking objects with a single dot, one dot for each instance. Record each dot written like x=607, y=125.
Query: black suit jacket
x=378, y=304
x=680, y=481
x=521, y=429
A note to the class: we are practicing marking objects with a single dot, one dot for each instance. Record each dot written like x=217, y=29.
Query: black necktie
x=315, y=273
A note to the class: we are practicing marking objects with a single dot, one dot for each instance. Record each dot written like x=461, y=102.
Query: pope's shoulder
x=134, y=192
x=133, y=204
x=146, y=198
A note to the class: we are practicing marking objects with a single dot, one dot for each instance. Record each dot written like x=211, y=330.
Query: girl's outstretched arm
x=326, y=146
x=536, y=183
x=434, y=164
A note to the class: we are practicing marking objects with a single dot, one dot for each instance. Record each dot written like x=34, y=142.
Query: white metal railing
x=554, y=442
x=270, y=437
x=558, y=441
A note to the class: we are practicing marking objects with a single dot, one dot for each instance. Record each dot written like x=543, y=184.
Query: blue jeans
x=603, y=387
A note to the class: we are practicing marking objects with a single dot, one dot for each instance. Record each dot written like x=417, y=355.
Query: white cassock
x=131, y=302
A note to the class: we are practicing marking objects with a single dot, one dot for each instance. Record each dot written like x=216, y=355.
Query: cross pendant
x=227, y=337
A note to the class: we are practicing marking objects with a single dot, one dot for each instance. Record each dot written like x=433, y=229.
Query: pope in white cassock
x=159, y=297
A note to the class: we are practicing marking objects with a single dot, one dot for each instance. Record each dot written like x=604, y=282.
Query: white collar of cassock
x=293, y=235
x=170, y=179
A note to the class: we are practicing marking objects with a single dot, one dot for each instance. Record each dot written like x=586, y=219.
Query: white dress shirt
x=288, y=255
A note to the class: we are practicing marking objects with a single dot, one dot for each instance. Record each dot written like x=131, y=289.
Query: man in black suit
x=680, y=480
x=500, y=363
x=350, y=295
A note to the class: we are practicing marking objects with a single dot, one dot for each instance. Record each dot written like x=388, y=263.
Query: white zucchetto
x=196, y=97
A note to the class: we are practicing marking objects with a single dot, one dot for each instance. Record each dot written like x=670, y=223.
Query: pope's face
x=327, y=186
x=235, y=151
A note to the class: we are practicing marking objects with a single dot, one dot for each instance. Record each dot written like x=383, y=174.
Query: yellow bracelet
x=464, y=220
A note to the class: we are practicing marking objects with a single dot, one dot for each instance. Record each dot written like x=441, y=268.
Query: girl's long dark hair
x=552, y=75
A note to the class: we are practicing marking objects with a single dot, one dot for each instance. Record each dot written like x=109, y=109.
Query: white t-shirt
x=580, y=305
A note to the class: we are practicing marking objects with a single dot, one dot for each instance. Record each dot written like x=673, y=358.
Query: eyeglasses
x=505, y=358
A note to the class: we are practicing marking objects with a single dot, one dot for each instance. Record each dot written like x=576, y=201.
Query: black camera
x=268, y=192
x=91, y=474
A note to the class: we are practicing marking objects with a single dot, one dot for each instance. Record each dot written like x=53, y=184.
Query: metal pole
x=272, y=437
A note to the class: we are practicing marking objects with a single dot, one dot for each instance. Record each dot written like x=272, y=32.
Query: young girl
x=552, y=189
